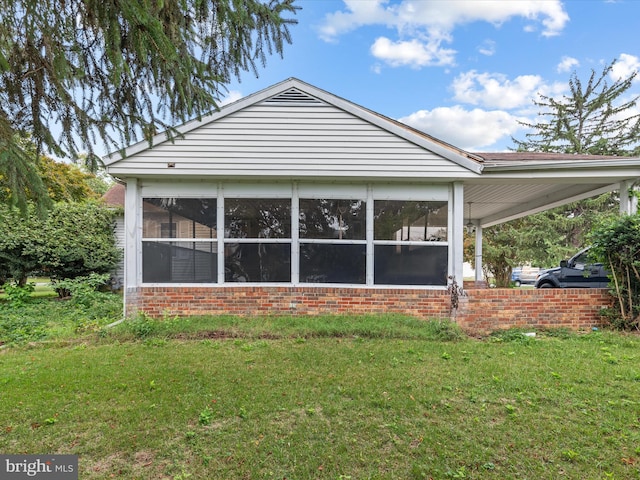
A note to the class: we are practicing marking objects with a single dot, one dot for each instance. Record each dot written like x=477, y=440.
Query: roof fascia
x=519, y=165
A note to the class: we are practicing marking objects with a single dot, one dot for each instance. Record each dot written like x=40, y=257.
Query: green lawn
x=332, y=398
x=42, y=288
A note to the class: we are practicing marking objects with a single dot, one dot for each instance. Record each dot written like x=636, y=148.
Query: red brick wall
x=480, y=310
x=485, y=310
x=184, y=301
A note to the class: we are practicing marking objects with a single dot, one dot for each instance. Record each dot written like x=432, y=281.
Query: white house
x=295, y=189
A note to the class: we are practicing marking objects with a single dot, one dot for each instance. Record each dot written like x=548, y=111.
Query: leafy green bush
x=616, y=243
x=18, y=295
x=92, y=307
x=78, y=239
x=73, y=240
x=83, y=290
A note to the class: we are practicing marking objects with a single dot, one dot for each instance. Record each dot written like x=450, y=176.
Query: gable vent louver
x=294, y=95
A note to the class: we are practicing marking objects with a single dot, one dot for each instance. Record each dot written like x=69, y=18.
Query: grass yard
x=328, y=398
x=41, y=288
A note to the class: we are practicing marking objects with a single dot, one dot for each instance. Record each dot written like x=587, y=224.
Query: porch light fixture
x=470, y=226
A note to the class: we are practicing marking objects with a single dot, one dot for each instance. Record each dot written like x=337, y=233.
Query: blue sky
x=464, y=71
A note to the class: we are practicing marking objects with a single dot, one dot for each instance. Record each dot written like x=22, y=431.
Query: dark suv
x=577, y=272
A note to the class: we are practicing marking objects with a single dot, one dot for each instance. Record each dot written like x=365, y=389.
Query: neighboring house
x=293, y=199
x=114, y=197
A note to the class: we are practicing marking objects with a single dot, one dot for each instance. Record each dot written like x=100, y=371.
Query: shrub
x=92, y=306
x=18, y=295
x=73, y=240
x=53, y=318
x=77, y=240
x=616, y=243
x=83, y=290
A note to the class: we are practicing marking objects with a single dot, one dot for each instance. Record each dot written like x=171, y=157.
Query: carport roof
x=516, y=184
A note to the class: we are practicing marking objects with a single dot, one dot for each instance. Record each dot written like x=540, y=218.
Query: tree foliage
x=67, y=182
x=59, y=182
x=16, y=236
x=20, y=178
x=73, y=240
x=594, y=119
x=73, y=72
x=500, y=252
x=64, y=182
x=616, y=243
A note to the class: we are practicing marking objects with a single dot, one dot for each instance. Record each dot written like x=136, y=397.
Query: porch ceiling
x=514, y=185
x=494, y=204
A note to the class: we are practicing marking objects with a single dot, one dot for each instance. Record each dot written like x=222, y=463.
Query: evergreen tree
x=591, y=120
x=73, y=72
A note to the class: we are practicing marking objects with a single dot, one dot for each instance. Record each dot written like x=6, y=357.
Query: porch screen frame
x=294, y=191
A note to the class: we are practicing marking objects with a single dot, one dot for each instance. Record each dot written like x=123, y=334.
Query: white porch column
x=478, y=254
x=132, y=213
x=628, y=201
x=457, y=233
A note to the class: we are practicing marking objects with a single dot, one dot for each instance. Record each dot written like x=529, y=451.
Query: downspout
x=117, y=322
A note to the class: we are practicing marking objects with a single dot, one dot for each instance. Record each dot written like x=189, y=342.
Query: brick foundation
x=486, y=310
x=480, y=310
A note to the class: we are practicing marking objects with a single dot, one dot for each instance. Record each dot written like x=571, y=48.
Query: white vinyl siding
x=118, y=272
x=293, y=140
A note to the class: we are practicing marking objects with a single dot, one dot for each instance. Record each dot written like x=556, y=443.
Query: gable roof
x=406, y=147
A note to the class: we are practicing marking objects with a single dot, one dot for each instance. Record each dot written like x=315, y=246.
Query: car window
x=581, y=261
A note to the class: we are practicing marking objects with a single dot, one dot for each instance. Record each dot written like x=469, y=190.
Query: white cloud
x=358, y=14
x=480, y=128
x=413, y=53
x=496, y=90
x=488, y=48
x=431, y=23
x=567, y=64
x=624, y=67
